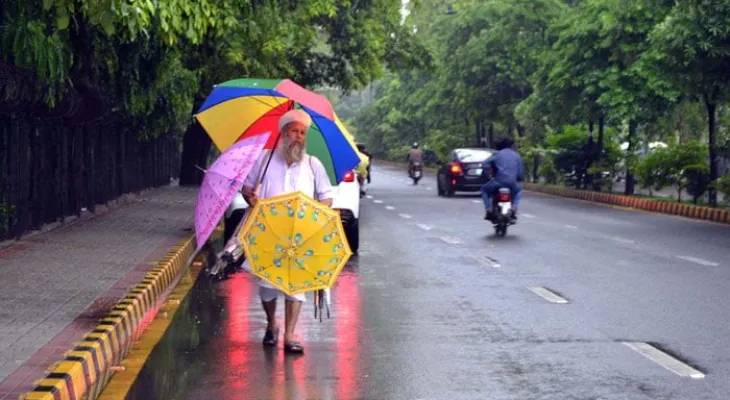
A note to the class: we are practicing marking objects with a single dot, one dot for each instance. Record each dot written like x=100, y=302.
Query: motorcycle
x=415, y=171
x=502, y=212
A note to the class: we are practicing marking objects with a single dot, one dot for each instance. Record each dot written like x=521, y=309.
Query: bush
x=683, y=166
x=572, y=150
x=696, y=179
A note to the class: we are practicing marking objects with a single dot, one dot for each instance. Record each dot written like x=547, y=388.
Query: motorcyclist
x=508, y=171
x=415, y=156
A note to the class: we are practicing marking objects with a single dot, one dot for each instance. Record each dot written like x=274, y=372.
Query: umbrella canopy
x=221, y=182
x=295, y=243
x=241, y=108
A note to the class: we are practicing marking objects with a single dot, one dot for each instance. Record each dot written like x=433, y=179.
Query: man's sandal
x=293, y=348
x=271, y=338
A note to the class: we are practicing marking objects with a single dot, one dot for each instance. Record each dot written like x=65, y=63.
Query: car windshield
x=472, y=155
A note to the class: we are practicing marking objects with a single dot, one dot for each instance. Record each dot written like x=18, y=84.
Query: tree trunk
x=535, y=168
x=478, y=132
x=630, y=181
x=711, y=106
x=520, y=131
x=491, y=135
x=599, y=145
x=196, y=146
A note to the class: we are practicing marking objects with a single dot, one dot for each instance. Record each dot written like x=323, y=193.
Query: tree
x=331, y=43
x=628, y=97
x=690, y=53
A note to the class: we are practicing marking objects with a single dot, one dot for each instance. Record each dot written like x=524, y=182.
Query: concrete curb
x=86, y=368
x=658, y=206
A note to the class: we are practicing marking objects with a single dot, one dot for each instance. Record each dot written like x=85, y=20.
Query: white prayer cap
x=295, y=116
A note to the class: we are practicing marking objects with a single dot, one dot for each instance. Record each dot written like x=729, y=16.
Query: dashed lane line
x=571, y=226
x=369, y=197
x=450, y=239
x=477, y=201
x=526, y=215
x=699, y=261
x=378, y=201
x=665, y=360
x=548, y=294
x=391, y=208
x=406, y=216
x=424, y=227
x=623, y=240
x=487, y=261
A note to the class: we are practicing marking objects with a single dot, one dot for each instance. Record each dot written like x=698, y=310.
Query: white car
x=347, y=201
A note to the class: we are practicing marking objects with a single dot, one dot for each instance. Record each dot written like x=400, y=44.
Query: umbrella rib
x=268, y=223
x=258, y=98
x=327, y=144
x=305, y=241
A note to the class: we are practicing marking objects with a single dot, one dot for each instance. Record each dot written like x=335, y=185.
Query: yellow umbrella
x=295, y=243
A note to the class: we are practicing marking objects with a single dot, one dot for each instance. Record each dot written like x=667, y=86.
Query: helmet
x=415, y=145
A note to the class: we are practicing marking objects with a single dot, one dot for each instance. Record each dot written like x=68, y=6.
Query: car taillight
x=455, y=168
x=349, y=177
x=504, y=197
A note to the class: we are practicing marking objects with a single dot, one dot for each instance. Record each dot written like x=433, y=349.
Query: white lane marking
x=378, y=201
x=698, y=261
x=547, y=294
x=622, y=240
x=369, y=197
x=477, y=201
x=406, y=216
x=488, y=261
x=389, y=208
x=428, y=188
x=571, y=226
x=450, y=239
x=526, y=215
x=424, y=227
x=665, y=360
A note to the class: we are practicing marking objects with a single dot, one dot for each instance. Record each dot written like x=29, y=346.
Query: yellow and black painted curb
x=88, y=366
x=121, y=384
x=665, y=207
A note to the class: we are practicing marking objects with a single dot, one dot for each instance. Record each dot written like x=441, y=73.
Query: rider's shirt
x=508, y=165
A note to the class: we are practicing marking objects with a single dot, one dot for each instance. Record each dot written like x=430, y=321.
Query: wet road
x=436, y=307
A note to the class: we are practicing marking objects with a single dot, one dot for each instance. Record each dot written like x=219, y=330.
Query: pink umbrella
x=221, y=182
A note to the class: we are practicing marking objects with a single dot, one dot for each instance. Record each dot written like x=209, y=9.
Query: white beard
x=292, y=151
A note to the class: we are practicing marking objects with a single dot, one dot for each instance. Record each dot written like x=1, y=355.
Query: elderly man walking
x=290, y=170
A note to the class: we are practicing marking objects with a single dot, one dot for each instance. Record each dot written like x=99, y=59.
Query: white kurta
x=281, y=178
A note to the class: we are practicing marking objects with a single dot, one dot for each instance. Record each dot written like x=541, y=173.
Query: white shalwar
x=302, y=176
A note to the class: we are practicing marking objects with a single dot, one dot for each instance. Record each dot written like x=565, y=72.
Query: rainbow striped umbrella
x=242, y=108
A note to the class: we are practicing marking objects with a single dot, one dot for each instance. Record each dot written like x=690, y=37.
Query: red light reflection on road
x=236, y=329
x=347, y=330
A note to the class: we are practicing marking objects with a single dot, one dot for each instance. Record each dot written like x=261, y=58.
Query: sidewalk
x=54, y=286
